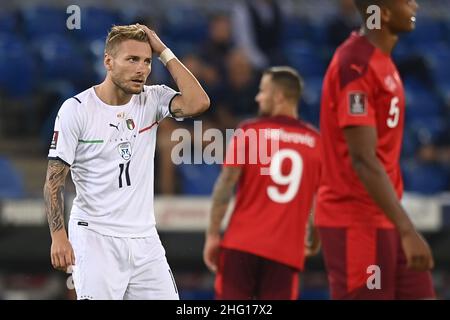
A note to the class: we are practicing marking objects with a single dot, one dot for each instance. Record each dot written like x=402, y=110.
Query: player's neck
x=286, y=111
x=382, y=39
x=112, y=95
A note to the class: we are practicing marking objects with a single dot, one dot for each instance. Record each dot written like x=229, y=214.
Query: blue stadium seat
x=295, y=29
x=198, y=179
x=420, y=102
x=402, y=50
x=11, y=184
x=305, y=58
x=96, y=22
x=444, y=89
x=427, y=179
x=318, y=32
x=44, y=20
x=60, y=58
x=8, y=21
x=17, y=66
x=186, y=24
x=310, y=104
x=427, y=31
x=428, y=129
x=438, y=56
x=410, y=142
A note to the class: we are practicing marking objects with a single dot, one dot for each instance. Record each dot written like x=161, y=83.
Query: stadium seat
x=428, y=129
x=410, y=143
x=96, y=23
x=186, y=24
x=318, y=32
x=8, y=21
x=310, y=104
x=295, y=29
x=427, y=179
x=17, y=66
x=61, y=59
x=439, y=58
x=428, y=31
x=444, y=89
x=42, y=21
x=11, y=184
x=420, y=101
x=402, y=50
x=198, y=179
x=305, y=58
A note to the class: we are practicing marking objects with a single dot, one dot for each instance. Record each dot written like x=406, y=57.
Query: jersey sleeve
x=66, y=133
x=165, y=96
x=355, y=103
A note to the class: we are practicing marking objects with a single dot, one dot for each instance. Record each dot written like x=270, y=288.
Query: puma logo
x=114, y=126
x=357, y=68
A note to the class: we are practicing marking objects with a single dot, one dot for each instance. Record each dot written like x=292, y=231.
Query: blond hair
x=118, y=34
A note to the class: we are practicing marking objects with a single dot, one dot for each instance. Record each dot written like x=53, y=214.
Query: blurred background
x=226, y=44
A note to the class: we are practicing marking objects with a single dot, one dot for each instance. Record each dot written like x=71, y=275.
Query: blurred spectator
x=219, y=42
x=257, y=26
x=346, y=20
x=239, y=87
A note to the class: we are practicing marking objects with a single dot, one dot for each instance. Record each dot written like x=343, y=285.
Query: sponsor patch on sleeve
x=54, y=140
x=357, y=102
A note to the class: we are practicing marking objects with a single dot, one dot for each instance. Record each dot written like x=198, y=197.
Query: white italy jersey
x=110, y=150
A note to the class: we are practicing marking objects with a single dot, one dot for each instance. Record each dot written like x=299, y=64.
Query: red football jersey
x=362, y=87
x=275, y=193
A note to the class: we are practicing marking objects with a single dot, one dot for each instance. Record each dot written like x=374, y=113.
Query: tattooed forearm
x=178, y=113
x=222, y=194
x=54, y=194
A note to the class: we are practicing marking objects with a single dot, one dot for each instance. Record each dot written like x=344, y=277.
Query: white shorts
x=109, y=268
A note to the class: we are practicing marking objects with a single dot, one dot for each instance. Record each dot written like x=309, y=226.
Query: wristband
x=166, y=56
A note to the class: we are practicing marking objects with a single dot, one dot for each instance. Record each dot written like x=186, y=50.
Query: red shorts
x=244, y=276
x=369, y=263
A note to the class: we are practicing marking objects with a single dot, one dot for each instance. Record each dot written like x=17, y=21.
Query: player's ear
x=278, y=95
x=386, y=14
x=108, y=61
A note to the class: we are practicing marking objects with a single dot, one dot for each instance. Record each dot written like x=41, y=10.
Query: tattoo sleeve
x=54, y=194
x=178, y=113
x=222, y=194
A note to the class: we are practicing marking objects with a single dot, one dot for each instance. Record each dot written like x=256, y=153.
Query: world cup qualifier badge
x=130, y=124
x=54, y=140
x=357, y=103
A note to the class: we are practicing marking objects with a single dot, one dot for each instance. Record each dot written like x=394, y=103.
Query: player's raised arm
x=362, y=141
x=62, y=255
x=222, y=194
x=193, y=99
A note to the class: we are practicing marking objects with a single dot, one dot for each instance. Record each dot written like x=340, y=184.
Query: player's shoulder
x=312, y=129
x=356, y=49
x=254, y=123
x=248, y=123
x=281, y=122
x=155, y=89
x=76, y=104
x=154, y=92
x=353, y=58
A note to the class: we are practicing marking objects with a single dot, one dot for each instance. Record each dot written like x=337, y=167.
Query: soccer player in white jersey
x=106, y=137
